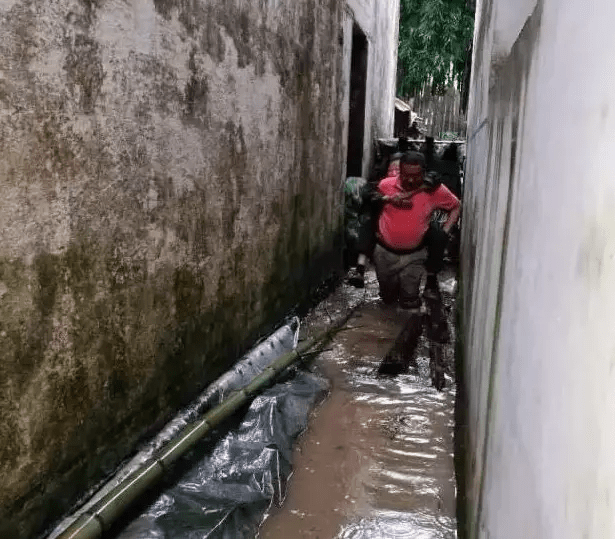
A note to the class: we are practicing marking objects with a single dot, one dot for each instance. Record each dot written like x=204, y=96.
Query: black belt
x=399, y=251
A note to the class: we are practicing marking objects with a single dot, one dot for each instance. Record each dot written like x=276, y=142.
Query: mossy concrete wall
x=538, y=272
x=170, y=177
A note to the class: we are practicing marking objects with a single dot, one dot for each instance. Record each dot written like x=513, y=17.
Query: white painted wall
x=539, y=272
x=379, y=21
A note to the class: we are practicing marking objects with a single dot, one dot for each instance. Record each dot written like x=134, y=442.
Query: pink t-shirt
x=402, y=227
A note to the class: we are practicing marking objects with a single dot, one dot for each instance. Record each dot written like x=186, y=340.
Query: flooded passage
x=377, y=458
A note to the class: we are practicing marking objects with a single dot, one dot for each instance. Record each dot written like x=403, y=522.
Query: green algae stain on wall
x=163, y=211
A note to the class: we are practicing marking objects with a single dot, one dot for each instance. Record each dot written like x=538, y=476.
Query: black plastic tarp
x=227, y=491
x=223, y=487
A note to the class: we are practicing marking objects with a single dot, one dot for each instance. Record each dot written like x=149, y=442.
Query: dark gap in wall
x=356, y=122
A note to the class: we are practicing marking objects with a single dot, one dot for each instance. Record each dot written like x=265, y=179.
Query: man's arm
x=452, y=219
x=447, y=201
x=400, y=199
x=373, y=195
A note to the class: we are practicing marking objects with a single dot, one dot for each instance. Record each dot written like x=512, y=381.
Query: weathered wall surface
x=170, y=176
x=379, y=21
x=538, y=272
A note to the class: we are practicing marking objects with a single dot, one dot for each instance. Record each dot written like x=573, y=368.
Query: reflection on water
x=377, y=459
x=399, y=525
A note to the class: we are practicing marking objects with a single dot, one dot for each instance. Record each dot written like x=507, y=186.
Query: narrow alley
x=374, y=453
x=376, y=461
x=188, y=190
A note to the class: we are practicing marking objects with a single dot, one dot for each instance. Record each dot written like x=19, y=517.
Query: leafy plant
x=434, y=39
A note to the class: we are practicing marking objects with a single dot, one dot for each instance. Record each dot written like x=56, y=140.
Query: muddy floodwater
x=374, y=462
x=377, y=458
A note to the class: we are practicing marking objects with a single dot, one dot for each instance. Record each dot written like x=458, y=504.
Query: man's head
x=411, y=169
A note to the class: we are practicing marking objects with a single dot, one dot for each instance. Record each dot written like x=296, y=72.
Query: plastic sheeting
x=226, y=493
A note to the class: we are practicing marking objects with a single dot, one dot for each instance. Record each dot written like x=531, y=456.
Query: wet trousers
x=399, y=275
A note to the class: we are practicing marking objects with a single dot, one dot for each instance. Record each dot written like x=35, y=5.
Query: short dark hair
x=413, y=158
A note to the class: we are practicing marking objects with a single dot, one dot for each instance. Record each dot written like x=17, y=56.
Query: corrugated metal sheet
x=439, y=115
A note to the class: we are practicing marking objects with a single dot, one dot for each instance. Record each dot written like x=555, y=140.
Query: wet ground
x=377, y=458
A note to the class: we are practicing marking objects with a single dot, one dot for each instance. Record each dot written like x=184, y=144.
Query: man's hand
x=452, y=219
x=399, y=198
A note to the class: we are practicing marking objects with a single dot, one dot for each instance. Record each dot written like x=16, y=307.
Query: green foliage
x=433, y=40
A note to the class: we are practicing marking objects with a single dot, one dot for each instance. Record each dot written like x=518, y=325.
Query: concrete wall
x=170, y=177
x=538, y=272
x=379, y=21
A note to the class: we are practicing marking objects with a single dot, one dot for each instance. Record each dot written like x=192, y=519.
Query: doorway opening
x=356, y=116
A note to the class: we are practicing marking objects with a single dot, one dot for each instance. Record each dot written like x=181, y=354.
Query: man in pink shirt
x=404, y=222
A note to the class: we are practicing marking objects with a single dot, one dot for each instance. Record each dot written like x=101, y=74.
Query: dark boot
x=356, y=277
x=401, y=354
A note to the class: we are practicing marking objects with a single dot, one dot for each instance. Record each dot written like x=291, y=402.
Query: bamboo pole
x=99, y=518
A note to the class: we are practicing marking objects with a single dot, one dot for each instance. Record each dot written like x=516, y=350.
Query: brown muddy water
x=376, y=461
